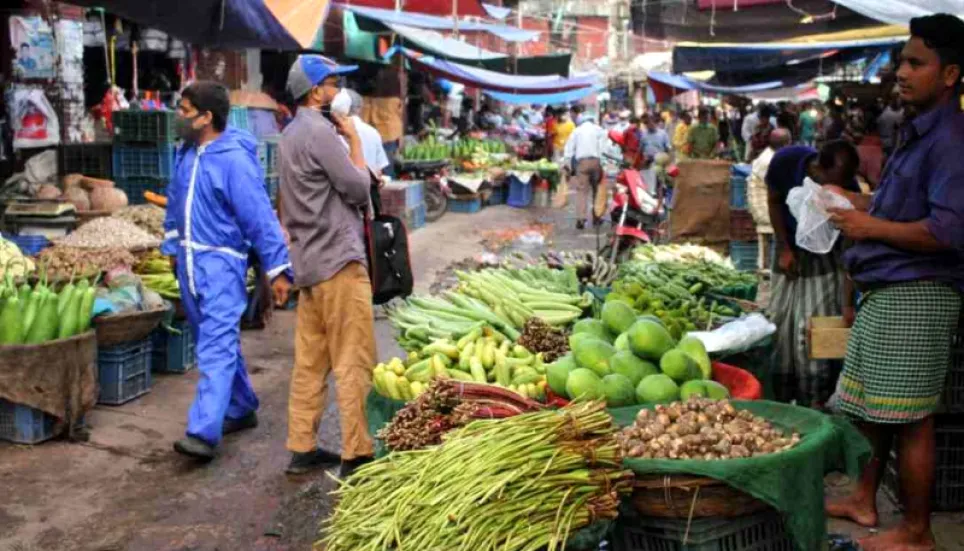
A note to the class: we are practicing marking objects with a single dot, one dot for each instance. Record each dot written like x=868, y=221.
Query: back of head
x=779, y=138
x=840, y=159
x=210, y=97
x=356, y=102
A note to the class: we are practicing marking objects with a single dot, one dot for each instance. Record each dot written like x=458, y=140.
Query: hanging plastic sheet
x=902, y=11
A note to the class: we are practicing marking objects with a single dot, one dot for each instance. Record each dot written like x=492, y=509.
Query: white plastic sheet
x=736, y=335
x=808, y=204
x=900, y=12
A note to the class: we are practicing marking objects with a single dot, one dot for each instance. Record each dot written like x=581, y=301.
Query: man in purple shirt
x=908, y=261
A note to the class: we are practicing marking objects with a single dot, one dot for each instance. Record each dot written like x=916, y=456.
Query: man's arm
x=252, y=210
x=348, y=174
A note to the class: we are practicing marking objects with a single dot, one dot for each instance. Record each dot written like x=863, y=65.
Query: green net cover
x=790, y=481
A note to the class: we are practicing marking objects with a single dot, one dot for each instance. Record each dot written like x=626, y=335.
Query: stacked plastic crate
x=743, y=239
x=268, y=157
x=143, y=156
x=948, y=491
x=406, y=200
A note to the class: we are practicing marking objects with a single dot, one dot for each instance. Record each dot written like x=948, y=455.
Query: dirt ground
x=126, y=490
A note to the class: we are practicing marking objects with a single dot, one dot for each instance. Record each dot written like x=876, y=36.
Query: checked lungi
x=899, y=352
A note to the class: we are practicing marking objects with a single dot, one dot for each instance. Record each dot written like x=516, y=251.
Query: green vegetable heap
x=523, y=483
x=37, y=315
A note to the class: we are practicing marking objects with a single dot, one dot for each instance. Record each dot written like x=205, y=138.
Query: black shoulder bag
x=389, y=263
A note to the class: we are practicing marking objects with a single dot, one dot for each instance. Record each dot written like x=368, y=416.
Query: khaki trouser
x=588, y=176
x=335, y=330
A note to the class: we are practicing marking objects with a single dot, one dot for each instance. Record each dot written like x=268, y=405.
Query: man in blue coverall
x=218, y=209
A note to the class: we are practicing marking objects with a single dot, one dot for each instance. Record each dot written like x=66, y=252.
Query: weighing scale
x=50, y=219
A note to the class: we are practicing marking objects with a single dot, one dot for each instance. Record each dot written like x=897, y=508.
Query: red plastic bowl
x=740, y=382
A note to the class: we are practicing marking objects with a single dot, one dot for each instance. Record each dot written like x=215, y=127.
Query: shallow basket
x=683, y=496
x=127, y=327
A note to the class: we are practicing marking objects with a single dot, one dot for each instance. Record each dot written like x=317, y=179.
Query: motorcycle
x=433, y=174
x=637, y=216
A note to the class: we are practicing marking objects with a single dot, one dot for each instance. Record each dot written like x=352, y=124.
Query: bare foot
x=901, y=538
x=852, y=508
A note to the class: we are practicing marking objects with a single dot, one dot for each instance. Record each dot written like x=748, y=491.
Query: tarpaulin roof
x=902, y=11
x=666, y=85
x=420, y=21
x=441, y=46
x=466, y=8
x=679, y=21
x=496, y=12
x=754, y=57
x=277, y=24
x=558, y=98
x=493, y=81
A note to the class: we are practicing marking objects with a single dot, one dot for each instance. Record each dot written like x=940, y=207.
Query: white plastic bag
x=808, y=204
x=33, y=119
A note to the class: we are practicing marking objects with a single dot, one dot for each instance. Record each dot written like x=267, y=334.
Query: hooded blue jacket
x=217, y=211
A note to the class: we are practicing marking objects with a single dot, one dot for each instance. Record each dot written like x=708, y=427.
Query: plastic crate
x=238, y=118
x=401, y=196
x=744, y=255
x=141, y=126
x=738, y=193
x=143, y=161
x=763, y=531
x=468, y=206
x=520, y=193
x=497, y=197
x=124, y=372
x=271, y=184
x=172, y=353
x=135, y=188
x=23, y=424
x=948, y=492
x=92, y=159
x=29, y=245
x=742, y=226
x=953, y=400
x=741, y=170
x=268, y=155
x=415, y=218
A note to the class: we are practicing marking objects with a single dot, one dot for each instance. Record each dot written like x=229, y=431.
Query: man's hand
x=787, y=262
x=849, y=315
x=281, y=288
x=345, y=126
x=854, y=224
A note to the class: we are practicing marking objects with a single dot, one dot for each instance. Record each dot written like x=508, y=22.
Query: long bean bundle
x=518, y=484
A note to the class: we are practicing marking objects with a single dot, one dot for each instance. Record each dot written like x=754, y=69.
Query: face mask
x=184, y=126
x=341, y=105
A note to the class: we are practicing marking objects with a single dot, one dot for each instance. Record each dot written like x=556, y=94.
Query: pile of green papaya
x=38, y=314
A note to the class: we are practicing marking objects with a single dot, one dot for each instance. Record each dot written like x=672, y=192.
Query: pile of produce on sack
x=625, y=360
x=698, y=268
x=591, y=268
x=38, y=314
x=483, y=356
x=489, y=486
x=541, y=165
x=445, y=405
x=13, y=261
x=750, y=446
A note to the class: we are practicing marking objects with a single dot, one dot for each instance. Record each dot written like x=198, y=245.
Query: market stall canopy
x=755, y=57
x=900, y=12
x=742, y=20
x=278, y=24
x=491, y=81
x=496, y=12
x=465, y=8
x=376, y=19
x=666, y=85
x=558, y=98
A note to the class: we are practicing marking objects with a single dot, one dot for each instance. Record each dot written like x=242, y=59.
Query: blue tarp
x=240, y=24
x=754, y=57
x=492, y=81
x=496, y=12
x=547, y=99
x=422, y=21
x=682, y=83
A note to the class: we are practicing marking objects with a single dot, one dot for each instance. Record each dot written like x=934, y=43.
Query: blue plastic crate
x=271, y=184
x=135, y=188
x=497, y=197
x=144, y=126
x=173, y=353
x=29, y=245
x=124, y=372
x=143, y=161
x=741, y=170
x=520, y=193
x=415, y=194
x=467, y=206
x=415, y=218
x=738, y=193
x=744, y=255
x=268, y=155
x=23, y=424
x=238, y=118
